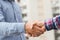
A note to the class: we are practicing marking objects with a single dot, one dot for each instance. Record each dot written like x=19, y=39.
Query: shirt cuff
x=50, y=24
x=21, y=27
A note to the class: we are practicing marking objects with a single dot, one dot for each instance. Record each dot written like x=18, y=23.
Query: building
x=56, y=11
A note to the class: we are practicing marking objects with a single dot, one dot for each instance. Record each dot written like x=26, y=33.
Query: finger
x=36, y=28
x=43, y=29
x=36, y=34
x=33, y=35
x=40, y=25
x=29, y=32
x=37, y=31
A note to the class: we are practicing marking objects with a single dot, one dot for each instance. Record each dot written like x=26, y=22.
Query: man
x=11, y=25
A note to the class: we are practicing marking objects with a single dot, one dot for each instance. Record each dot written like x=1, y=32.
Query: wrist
x=28, y=29
x=49, y=24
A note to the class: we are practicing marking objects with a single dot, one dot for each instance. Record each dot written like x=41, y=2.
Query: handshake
x=35, y=28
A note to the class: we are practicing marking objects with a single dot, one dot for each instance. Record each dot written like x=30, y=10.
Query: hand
x=35, y=28
x=38, y=26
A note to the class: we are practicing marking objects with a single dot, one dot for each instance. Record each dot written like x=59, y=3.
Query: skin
x=35, y=28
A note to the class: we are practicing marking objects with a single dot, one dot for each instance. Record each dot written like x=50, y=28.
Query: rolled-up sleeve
x=11, y=28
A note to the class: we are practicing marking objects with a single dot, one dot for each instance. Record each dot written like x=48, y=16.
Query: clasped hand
x=35, y=28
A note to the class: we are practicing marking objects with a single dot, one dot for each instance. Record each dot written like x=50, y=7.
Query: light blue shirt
x=11, y=25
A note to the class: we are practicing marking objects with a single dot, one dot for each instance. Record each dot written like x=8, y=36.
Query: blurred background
x=41, y=10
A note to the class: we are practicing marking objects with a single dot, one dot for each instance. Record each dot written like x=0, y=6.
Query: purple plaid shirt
x=53, y=23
